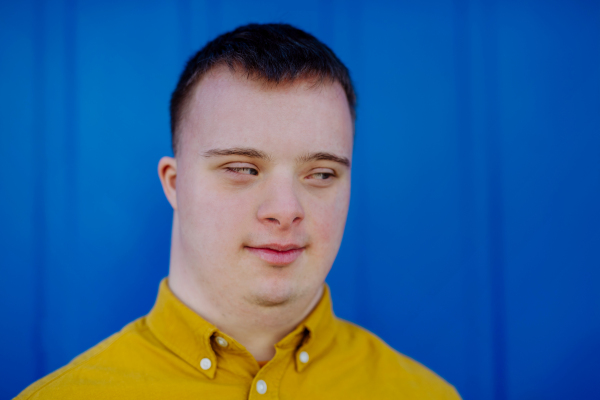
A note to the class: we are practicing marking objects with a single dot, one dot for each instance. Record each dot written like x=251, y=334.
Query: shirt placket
x=266, y=383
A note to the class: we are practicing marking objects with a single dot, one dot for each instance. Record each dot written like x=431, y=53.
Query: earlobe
x=167, y=173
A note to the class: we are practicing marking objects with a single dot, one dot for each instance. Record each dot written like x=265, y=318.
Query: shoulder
x=105, y=358
x=390, y=366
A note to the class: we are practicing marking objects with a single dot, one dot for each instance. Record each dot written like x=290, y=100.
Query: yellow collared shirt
x=172, y=353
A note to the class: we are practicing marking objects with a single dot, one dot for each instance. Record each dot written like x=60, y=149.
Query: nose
x=281, y=206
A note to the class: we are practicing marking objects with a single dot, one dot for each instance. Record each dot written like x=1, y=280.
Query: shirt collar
x=190, y=336
x=319, y=327
x=180, y=329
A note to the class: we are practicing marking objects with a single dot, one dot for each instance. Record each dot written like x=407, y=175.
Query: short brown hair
x=271, y=52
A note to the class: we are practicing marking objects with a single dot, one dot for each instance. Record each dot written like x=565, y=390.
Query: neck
x=256, y=327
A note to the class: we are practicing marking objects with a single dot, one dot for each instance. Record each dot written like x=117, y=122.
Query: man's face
x=262, y=187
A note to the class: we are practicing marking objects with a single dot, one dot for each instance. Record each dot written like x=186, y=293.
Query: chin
x=273, y=294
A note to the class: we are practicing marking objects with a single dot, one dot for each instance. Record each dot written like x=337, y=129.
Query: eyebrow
x=238, y=151
x=254, y=153
x=324, y=156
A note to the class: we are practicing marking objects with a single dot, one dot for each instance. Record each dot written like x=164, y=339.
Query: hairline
x=192, y=85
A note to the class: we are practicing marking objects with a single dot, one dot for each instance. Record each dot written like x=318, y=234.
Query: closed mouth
x=277, y=254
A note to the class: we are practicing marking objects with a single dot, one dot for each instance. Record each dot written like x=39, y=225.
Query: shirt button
x=261, y=387
x=205, y=364
x=304, y=357
x=221, y=342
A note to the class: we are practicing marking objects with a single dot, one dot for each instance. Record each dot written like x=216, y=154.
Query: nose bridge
x=281, y=203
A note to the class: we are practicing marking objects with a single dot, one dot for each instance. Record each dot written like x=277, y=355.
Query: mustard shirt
x=172, y=353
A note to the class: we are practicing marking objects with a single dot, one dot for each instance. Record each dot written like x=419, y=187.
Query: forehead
x=230, y=109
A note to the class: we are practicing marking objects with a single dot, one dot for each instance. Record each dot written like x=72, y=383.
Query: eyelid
x=240, y=164
x=323, y=181
x=323, y=170
x=234, y=168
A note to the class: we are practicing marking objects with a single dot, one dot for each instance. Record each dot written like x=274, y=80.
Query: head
x=262, y=126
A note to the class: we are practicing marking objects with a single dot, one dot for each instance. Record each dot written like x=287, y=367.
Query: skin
x=261, y=168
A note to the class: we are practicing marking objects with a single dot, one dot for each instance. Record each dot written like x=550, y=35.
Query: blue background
x=473, y=240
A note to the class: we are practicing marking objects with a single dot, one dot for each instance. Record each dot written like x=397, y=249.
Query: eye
x=243, y=170
x=321, y=175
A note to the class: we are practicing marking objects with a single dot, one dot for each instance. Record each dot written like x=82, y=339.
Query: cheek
x=329, y=220
x=210, y=218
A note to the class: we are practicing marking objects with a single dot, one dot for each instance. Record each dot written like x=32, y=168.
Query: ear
x=167, y=172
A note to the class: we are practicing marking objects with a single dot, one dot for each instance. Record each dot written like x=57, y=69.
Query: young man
x=262, y=126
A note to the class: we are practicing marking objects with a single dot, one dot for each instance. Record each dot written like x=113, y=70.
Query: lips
x=277, y=254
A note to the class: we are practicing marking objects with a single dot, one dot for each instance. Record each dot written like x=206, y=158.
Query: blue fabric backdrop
x=473, y=240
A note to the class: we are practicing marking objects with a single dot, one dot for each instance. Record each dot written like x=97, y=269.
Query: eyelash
x=240, y=169
x=327, y=175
